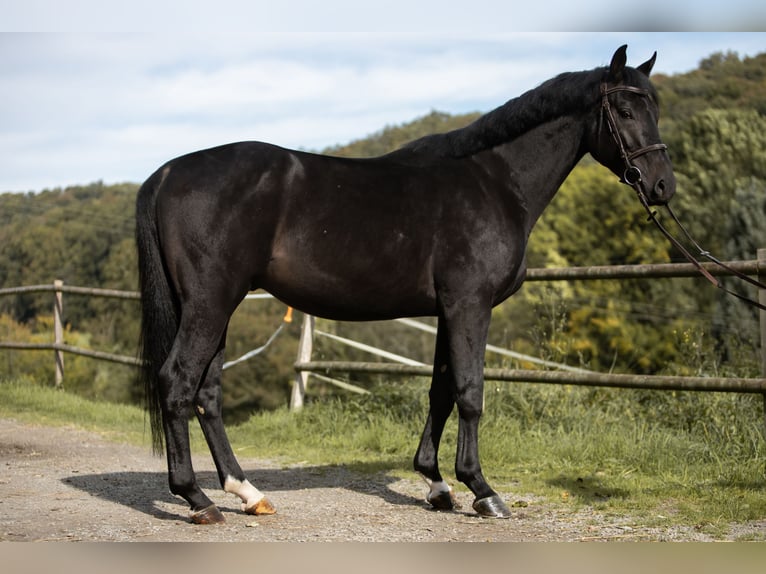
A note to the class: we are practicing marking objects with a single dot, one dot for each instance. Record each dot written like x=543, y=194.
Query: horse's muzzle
x=662, y=191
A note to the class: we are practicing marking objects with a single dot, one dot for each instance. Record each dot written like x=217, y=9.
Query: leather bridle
x=632, y=176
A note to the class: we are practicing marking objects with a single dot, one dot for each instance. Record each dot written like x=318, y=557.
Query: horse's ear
x=646, y=67
x=618, y=64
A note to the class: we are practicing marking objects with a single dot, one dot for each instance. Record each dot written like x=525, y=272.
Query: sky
x=91, y=91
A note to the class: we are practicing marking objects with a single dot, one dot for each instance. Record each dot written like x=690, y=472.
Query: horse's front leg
x=441, y=402
x=209, y=407
x=467, y=331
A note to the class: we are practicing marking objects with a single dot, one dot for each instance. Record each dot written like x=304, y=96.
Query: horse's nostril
x=659, y=187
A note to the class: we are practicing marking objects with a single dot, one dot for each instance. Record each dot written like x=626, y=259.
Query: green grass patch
x=27, y=401
x=659, y=458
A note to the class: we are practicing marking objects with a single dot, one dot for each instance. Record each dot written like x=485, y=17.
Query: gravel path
x=64, y=484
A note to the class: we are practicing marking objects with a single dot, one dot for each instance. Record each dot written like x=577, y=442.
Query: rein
x=632, y=177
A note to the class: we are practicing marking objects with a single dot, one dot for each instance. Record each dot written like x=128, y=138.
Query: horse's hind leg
x=441, y=402
x=208, y=405
x=196, y=341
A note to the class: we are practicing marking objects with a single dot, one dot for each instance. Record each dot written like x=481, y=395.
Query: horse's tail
x=159, y=315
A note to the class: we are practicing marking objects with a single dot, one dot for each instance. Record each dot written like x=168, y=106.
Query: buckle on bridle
x=632, y=175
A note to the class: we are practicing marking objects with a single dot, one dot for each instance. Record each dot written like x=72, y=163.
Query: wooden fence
x=304, y=365
x=58, y=346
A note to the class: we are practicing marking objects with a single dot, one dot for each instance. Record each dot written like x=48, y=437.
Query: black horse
x=436, y=228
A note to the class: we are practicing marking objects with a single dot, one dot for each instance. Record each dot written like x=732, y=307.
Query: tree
x=737, y=323
x=719, y=151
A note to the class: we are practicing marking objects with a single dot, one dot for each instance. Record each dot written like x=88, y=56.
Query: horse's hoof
x=491, y=507
x=209, y=515
x=263, y=506
x=443, y=500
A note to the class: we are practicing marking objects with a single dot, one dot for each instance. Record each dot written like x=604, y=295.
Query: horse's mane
x=561, y=95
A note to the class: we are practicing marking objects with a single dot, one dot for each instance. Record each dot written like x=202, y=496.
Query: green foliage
x=599, y=222
x=62, y=234
x=40, y=330
x=722, y=81
x=721, y=152
x=15, y=364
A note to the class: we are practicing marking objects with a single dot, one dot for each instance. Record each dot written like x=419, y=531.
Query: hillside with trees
x=713, y=119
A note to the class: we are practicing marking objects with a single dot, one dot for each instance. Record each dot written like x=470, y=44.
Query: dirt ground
x=64, y=484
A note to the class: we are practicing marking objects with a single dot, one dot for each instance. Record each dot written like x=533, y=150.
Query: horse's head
x=627, y=138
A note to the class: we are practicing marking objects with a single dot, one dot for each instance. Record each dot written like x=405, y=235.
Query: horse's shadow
x=144, y=490
x=588, y=489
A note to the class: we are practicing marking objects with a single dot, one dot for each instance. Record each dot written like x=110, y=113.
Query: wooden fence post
x=58, y=330
x=304, y=356
x=762, y=316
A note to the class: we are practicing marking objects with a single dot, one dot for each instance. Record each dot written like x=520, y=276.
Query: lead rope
x=678, y=245
x=708, y=255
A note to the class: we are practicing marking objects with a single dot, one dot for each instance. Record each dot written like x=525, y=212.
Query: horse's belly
x=353, y=292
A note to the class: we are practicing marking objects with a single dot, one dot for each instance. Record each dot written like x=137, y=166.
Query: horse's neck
x=539, y=162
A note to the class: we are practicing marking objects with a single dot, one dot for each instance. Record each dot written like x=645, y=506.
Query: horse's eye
x=625, y=113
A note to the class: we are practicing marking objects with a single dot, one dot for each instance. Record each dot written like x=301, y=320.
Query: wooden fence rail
x=63, y=348
x=651, y=271
x=58, y=346
x=590, y=379
x=59, y=287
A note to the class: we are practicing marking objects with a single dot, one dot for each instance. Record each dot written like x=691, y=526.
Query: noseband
x=632, y=175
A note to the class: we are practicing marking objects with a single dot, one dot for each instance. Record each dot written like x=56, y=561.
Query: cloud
x=81, y=107
x=151, y=97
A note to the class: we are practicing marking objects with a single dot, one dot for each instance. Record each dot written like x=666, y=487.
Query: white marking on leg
x=247, y=492
x=436, y=487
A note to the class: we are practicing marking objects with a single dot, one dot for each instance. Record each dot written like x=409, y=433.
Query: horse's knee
x=178, y=404
x=470, y=406
x=208, y=403
x=175, y=393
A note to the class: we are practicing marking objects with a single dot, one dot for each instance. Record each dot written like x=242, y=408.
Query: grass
x=659, y=459
x=27, y=401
